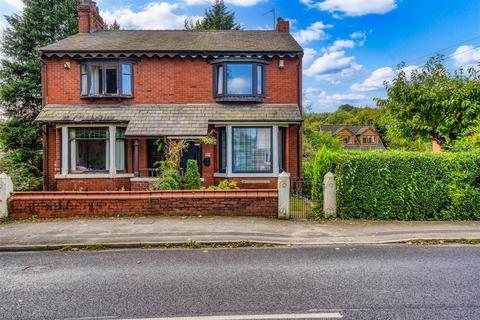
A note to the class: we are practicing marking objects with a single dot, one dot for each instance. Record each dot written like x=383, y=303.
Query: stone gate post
x=329, y=196
x=6, y=188
x=284, y=195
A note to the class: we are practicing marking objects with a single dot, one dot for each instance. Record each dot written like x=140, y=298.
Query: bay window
x=106, y=79
x=239, y=79
x=94, y=150
x=252, y=150
x=89, y=150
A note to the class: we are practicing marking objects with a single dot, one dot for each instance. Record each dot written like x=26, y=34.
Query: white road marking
x=319, y=315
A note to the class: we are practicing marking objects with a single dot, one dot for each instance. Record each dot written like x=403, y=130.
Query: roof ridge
x=184, y=30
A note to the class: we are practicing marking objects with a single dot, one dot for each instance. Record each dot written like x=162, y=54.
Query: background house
x=110, y=96
x=356, y=137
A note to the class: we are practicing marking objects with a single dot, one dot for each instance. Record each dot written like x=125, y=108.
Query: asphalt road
x=348, y=282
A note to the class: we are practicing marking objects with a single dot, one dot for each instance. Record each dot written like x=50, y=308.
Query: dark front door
x=154, y=155
x=194, y=151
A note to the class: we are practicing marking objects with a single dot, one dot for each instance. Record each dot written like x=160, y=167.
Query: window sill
x=240, y=99
x=106, y=97
x=93, y=176
x=245, y=175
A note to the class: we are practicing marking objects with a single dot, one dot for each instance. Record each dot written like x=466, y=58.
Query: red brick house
x=110, y=96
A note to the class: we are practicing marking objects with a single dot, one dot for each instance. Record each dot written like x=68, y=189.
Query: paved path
x=137, y=231
x=335, y=282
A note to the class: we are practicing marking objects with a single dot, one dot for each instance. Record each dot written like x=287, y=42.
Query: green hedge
x=402, y=185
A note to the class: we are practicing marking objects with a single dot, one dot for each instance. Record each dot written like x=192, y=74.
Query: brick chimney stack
x=283, y=25
x=89, y=20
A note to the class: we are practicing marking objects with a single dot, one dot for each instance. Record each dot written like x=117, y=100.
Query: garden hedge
x=402, y=185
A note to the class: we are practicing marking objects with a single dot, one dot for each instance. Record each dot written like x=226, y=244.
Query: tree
x=431, y=104
x=20, y=81
x=112, y=26
x=216, y=18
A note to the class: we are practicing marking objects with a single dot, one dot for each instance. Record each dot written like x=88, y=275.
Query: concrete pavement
x=137, y=232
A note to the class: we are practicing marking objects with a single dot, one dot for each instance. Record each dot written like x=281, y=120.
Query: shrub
x=322, y=163
x=24, y=176
x=225, y=185
x=170, y=180
x=404, y=185
x=191, y=180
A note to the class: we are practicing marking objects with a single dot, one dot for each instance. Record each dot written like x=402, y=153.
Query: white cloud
x=342, y=44
x=321, y=101
x=314, y=32
x=154, y=15
x=466, y=56
x=333, y=66
x=239, y=3
x=17, y=4
x=308, y=56
x=378, y=78
x=356, y=8
x=375, y=81
x=358, y=35
x=307, y=2
x=239, y=85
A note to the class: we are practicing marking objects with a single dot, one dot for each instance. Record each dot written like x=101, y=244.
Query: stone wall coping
x=190, y=194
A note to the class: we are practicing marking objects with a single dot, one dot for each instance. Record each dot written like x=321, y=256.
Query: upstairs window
x=239, y=79
x=106, y=79
x=368, y=140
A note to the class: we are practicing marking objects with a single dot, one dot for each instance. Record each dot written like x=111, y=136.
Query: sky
x=351, y=46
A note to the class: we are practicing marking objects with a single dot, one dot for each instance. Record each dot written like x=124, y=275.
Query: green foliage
x=322, y=163
x=313, y=139
x=191, y=180
x=216, y=18
x=225, y=185
x=470, y=141
x=431, y=104
x=405, y=185
x=169, y=180
x=20, y=83
x=208, y=140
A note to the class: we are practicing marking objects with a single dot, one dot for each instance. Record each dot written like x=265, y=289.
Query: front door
x=194, y=151
x=154, y=155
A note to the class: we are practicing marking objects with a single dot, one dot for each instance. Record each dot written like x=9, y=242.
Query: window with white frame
x=252, y=150
x=90, y=149
x=368, y=139
x=106, y=79
x=120, y=150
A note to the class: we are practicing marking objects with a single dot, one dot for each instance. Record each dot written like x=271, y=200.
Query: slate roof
x=179, y=42
x=169, y=120
x=356, y=130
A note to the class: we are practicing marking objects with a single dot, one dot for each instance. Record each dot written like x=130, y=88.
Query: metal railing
x=300, y=202
x=149, y=172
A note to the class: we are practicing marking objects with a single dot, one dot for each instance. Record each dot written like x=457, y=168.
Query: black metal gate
x=300, y=203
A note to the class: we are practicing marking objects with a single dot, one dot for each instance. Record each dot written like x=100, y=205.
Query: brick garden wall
x=172, y=203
